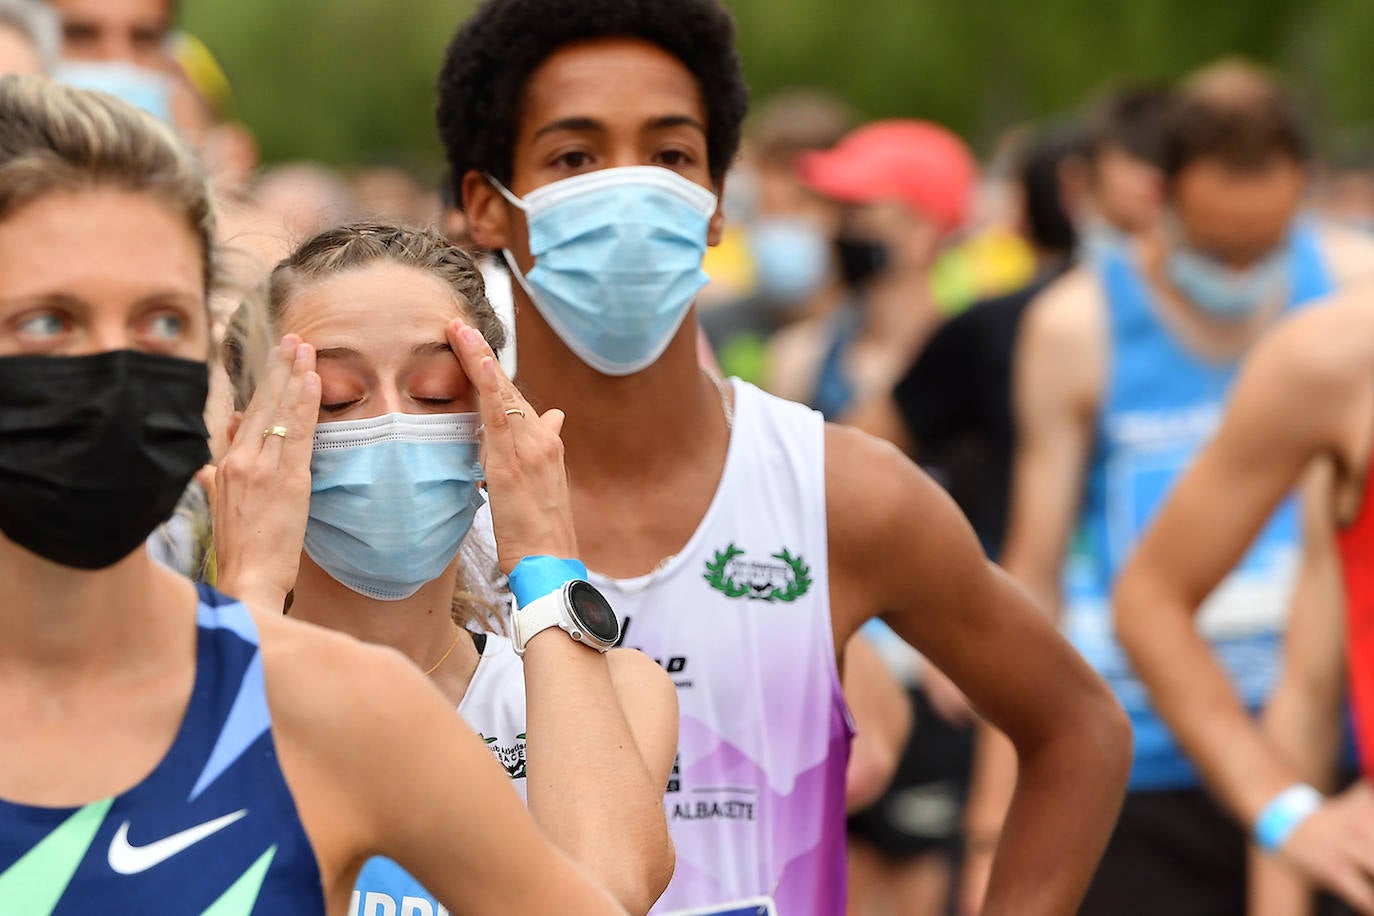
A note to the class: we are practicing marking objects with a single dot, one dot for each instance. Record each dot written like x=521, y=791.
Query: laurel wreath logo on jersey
x=510, y=756
x=736, y=577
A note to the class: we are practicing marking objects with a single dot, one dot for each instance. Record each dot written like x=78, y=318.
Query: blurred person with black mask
x=788, y=234
x=952, y=412
x=905, y=187
x=952, y=409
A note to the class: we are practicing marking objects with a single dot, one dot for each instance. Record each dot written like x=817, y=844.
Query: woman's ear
x=488, y=216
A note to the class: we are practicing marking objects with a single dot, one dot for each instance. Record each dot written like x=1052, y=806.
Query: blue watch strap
x=534, y=577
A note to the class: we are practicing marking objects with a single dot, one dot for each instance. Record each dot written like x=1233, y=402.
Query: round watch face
x=593, y=612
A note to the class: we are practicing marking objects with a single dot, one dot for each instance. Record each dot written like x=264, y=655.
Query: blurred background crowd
x=914, y=173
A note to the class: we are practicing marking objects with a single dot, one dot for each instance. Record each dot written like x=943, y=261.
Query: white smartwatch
x=577, y=608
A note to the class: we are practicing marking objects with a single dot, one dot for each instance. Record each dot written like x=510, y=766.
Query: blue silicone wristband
x=1282, y=816
x=534, y=577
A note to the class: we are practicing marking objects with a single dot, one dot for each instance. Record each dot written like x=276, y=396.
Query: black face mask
x=861, y=259
x=96, y=450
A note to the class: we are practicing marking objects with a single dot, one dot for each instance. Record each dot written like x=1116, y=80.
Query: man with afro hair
x=742, y=541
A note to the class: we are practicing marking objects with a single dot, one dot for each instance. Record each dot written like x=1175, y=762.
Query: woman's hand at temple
x=522, y=457
x=262, y=492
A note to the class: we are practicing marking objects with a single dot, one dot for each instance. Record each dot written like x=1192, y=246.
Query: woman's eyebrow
x=431, y=348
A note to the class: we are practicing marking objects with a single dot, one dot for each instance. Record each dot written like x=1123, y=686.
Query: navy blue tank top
x=213, y=830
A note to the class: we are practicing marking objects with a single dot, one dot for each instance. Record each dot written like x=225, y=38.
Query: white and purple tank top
x=740, y=619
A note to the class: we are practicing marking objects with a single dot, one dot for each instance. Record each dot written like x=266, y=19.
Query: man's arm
x=898, y=545
x=1302, y=718
x=1311, y=382
x=1055, y=380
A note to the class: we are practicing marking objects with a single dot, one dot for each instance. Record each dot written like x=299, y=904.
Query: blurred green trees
x=351, y=81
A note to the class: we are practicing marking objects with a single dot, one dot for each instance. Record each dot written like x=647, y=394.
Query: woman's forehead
x=380, y=310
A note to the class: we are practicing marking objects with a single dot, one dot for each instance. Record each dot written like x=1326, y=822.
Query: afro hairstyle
x=482, y=82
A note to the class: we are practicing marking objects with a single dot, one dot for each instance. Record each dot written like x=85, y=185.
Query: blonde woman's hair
x=259, y=321
x=55, y=138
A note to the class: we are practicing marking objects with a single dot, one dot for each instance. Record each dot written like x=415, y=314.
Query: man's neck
x=623, y=428
x=1212, y=338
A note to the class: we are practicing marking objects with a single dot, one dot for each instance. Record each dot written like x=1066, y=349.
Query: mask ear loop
x=505, y=192
x=507, y=255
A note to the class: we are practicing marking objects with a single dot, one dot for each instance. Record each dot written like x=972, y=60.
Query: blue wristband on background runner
x=534, y=577
x=1282, y=816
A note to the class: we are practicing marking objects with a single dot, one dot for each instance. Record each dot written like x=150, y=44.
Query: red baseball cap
x=917, y=163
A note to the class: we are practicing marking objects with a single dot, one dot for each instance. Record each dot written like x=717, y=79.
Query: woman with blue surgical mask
x=364, y=533
x=171, y=749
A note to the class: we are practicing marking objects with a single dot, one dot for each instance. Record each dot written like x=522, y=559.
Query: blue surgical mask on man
x=140, y=87
x=617, y=260
x=1228, y=293
x=791, y=259
x=391, y=499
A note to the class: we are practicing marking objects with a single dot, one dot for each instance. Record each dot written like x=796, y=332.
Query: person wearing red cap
x=1122, y=370
x=905, y=187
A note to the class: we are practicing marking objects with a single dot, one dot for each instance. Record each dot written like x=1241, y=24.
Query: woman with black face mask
x=905, y=187
x=169, y=750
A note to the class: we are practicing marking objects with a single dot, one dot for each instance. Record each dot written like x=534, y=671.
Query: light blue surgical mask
x=1226, y=293
x=617, y=260
x=140, y=87
x=791, y=259
x=1099, y=240
x=391, y=499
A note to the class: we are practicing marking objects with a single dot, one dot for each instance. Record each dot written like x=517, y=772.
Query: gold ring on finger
x=515, y=412
x=279, y=431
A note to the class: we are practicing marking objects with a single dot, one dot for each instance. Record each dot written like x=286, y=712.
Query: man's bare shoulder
x=1067, y=315
x=1061, y=350
x=1324, y=351
x=1349, y=255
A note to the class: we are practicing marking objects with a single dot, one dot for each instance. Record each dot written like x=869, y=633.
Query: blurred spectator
x=1122, y=370
x=298, y=199
x=392, y=195
x=787, y=232
x=952, y=411
x=905, y=186
x=30, y=36
x=127, y=31
x=119, y=47
x=1120, y=178
x=1345, y=195
x=205, y=109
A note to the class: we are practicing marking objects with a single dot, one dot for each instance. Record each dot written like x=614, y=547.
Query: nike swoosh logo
x=130, y=860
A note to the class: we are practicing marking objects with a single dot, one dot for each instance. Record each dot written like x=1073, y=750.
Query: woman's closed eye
x=339, y=406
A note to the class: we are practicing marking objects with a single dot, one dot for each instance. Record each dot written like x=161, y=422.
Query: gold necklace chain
x=443, y=658
x=726, y=407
